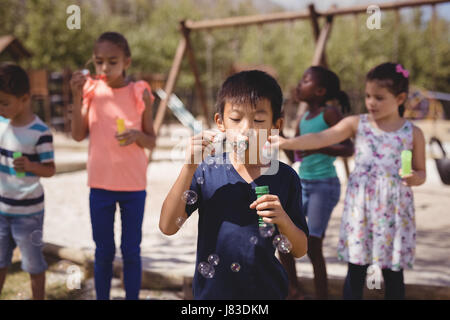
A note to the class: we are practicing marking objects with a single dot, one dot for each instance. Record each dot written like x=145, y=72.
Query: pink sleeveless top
x=111, y=166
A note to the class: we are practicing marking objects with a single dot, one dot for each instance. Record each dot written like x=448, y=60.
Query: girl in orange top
x=117, y=163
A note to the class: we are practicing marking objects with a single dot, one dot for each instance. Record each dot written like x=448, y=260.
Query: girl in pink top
x=117, y=163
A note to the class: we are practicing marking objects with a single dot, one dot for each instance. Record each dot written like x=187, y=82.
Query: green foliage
x=152, y=29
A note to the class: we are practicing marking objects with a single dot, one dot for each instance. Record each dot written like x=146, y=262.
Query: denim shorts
x=26, y=233
x=319, y=197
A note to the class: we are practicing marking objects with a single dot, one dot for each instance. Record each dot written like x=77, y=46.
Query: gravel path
x=67, y=223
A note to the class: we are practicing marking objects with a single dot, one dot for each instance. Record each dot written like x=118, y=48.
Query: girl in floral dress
x=378, y=222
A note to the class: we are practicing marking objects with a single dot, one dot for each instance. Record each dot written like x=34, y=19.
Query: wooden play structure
x=321, y=35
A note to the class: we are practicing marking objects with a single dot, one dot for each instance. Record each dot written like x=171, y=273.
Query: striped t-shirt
x=23, y=195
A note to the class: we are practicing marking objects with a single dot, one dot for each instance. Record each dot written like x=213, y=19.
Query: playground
x=203, y=51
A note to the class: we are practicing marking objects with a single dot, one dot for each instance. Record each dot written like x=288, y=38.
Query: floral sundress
x=378, y=222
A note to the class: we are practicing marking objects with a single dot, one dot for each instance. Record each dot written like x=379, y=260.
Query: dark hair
x=328, y=80
x=119, y=40
x=392, y=77
x=251, y=87
x=14, y=80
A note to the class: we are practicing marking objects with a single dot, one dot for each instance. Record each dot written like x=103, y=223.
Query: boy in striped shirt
x=26, y=154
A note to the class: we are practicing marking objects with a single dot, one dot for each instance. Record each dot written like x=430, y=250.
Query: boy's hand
x=77, y=82
x=270, y=209
x=129, y=136
x=22, y=164
x=197, y=145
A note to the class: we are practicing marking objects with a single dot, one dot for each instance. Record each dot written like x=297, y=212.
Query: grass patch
x=17, y=285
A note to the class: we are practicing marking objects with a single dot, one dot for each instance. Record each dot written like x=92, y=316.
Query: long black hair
x=393, y=77
x=328, y=80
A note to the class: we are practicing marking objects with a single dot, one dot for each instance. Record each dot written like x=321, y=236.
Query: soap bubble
x=210, y=161
x=36, y=238
x=284, y=246
x=219, y=138
x=235, y=267
x=253, y=239
x=210, y=273
x=206, y=270
x=189, y=196
x=213, y=259
x=200, y=180
x=242, y=145
x=276, y=240
x=179, y=221
x=266, y=230
x=203, y=266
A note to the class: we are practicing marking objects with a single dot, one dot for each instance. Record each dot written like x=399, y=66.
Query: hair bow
x=400, y=69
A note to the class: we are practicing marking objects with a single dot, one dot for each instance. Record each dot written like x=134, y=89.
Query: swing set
x=321, y=35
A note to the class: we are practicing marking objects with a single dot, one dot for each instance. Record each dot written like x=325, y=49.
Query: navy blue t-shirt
x=226, y=225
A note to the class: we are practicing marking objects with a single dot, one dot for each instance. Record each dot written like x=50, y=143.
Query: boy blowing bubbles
x=248, y=103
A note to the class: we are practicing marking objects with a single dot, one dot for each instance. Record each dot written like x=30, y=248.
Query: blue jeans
x=103, y=208
x=25, y=232
x=319, y=197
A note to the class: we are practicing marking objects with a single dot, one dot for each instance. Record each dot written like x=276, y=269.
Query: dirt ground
x=67, y=220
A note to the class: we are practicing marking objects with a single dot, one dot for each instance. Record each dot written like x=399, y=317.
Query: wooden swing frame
x=321, y=36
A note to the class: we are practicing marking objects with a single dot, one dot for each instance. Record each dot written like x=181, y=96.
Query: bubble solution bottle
x=120, y=128
x=265, y=229
x=16, y=155
x=406, y=162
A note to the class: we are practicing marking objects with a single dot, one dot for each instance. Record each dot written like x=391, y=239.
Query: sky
x=443, y=10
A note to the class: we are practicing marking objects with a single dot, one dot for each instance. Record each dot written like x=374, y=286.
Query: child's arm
x=173, y=206
x=45, y=170
x=147, y=137
x=79, y=122
x=418, y=174
x=270, y=208
x=344, y=129
x=332, y=116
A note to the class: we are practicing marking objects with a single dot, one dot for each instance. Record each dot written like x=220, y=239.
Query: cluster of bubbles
x=279, y=242
x=206, y=269
x=282, y=243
